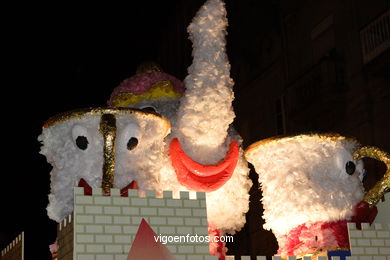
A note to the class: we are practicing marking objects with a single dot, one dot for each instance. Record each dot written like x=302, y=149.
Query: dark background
x=298, y=66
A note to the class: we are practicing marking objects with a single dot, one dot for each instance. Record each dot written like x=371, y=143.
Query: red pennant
x=85, y=185
x=147, y=246
x=132, y=186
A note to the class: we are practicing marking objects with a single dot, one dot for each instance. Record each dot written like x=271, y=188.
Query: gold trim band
x=374, y=195
x=108, y=130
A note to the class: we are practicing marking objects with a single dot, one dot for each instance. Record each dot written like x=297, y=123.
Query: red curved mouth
x=199, y=177
x=124, y=191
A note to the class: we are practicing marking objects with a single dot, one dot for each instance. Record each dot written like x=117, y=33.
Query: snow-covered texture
x=205, y=111
x=304, y=180
x=70, y=163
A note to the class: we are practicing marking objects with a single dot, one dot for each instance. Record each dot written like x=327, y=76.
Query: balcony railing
x=375, y=37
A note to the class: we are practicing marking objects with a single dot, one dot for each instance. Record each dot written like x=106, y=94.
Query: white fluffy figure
x=203, y=150
x=73, y=144
x=310, y=185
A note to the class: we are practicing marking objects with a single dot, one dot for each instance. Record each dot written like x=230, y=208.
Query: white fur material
x=304, y=180
x=205, y=112
x=71, y=163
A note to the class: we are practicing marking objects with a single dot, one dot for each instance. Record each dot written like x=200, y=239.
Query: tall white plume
x=205, y=112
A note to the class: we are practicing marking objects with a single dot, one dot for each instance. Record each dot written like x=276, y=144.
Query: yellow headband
x=158, y=90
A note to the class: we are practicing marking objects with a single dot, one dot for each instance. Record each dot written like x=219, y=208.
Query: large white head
x=105, y=147
x=306, y=179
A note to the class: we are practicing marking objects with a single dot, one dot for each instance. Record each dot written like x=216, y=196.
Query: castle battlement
x=368, y=242
x=104, y=227
x=371, y=240
x=14, y=250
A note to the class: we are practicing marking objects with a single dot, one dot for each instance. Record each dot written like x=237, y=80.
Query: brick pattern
x=65, y=238
x=383, y=209
x=15, y=250
x=105, y=226
x=371, y=242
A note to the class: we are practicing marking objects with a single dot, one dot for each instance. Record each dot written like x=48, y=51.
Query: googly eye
x=131, y=136
x=132, y=143
x=350, y=167
x=82, y=142
x=80, y=137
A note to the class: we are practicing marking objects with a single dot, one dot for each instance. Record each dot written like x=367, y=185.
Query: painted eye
x=350, y=168
x=131, y=135
x=80, y=137
x=82, y=142
x=132, y=143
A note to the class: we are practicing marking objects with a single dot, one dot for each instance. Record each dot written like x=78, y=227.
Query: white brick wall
x=371, y=242
x=105, y=226
x=383, y=210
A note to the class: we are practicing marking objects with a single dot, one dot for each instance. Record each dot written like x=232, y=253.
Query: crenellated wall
x=384, y=210
x=104, y=227
x=371, y=241
x=15, y=250
x=65, y=238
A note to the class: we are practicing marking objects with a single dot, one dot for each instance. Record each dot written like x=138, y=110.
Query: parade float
x=164, y=158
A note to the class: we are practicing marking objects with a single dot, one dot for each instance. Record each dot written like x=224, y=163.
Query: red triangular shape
x=132, y=186
x=145, y=245
x=87, y=188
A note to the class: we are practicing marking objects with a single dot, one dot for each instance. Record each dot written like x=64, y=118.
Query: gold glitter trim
x=108, y=130
x=374, y=195
x=79, y=113
x=324, y=137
